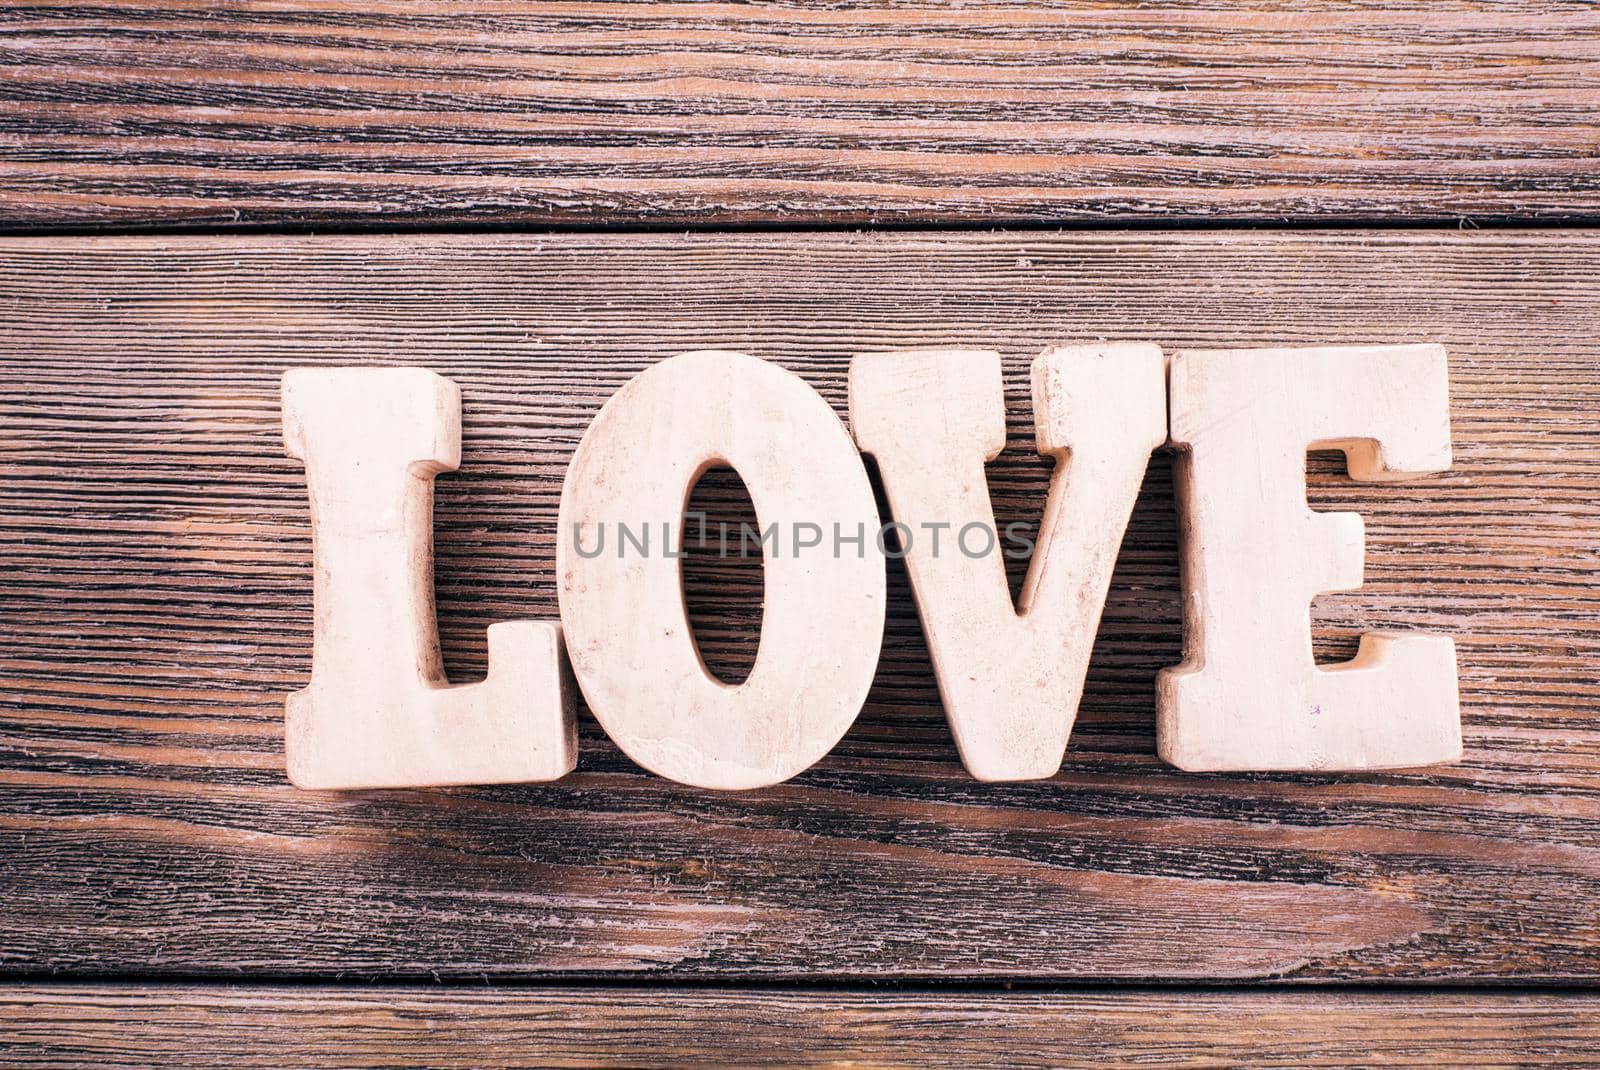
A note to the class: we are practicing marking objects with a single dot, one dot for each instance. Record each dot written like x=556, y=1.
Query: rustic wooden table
x=197, y=197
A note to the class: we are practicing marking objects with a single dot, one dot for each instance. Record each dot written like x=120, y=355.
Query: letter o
x=627, y=632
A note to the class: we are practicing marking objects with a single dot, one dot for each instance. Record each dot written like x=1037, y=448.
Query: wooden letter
x=379, y=712
x=622, y=607
x=1248, y=695
x=1010, y=676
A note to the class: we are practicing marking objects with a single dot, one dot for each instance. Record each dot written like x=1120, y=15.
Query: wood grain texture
x=398, y=112
x=155, y=586
x=354, y=1027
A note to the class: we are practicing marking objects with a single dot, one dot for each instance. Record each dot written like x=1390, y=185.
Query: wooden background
x=168, y=899
x=498, y=112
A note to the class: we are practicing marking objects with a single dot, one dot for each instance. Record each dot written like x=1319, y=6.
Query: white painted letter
x=379, y=712
x=1248, y=695
x=623, y=612
x=1011, y=675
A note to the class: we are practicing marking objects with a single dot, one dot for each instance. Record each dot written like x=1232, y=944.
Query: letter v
x=1011, y=675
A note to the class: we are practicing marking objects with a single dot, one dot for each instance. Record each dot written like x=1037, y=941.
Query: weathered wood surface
x=403, y=112
x=155, y=591
x=354, y=1027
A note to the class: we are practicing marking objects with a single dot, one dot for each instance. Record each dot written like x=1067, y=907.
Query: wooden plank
x=181, y=1026
x=397, y=112
x=155, y=584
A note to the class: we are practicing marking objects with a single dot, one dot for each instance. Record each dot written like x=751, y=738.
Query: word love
x=1247, y=696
